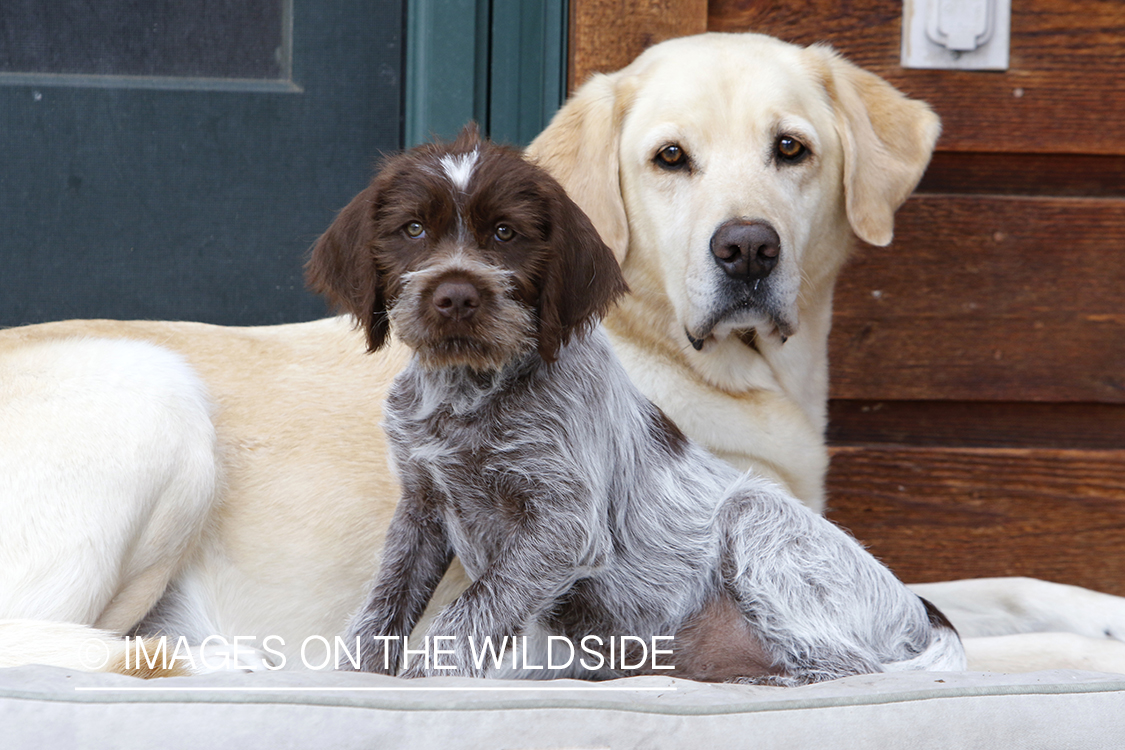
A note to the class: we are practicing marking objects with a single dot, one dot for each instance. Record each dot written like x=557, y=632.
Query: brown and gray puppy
x=577, y=508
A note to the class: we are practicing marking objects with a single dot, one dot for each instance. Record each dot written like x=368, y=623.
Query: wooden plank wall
x=605, y=35
x=978, y=363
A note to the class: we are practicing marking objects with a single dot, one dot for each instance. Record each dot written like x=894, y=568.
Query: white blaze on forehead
x=459, y=168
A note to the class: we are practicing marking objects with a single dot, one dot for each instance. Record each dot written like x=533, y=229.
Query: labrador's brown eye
x=790, y=149
x=414, y=229
x=504, y=232
x=672, y=156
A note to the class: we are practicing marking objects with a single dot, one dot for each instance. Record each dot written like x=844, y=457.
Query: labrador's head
x=730, y=174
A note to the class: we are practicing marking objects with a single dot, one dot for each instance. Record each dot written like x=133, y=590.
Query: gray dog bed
x=46, y=707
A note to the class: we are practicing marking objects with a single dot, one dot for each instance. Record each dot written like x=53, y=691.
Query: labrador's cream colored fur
x=766, y=407
x=278, y=530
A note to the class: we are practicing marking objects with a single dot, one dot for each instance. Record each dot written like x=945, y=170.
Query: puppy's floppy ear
x=580, y=280
x=887, y=140
x=580, y=150
x=342, y=267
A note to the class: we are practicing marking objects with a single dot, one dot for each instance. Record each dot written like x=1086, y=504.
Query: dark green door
x=176, y=158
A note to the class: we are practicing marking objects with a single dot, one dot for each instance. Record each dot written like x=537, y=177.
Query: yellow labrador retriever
x=214, y=482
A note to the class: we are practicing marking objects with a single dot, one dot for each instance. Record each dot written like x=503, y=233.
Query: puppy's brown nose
x=746, y=250
x=457, y=300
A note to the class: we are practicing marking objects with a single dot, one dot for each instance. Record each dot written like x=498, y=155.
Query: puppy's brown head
x=474, y=255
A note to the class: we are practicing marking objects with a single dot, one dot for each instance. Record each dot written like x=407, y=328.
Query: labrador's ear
x=581, y=279
x=887, y=140
x=342, y=267
x=580, y=148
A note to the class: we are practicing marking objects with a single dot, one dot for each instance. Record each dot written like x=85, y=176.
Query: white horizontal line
x=419, y=688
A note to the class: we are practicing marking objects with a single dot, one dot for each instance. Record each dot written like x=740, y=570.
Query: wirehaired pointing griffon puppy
x=577, y=508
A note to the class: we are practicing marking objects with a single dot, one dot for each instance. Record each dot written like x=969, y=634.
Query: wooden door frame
x=498, y=62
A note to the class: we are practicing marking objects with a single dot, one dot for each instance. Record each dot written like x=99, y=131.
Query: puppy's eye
x=671, y=156
x=504, y=233
x=790, y=150
x=414, y=229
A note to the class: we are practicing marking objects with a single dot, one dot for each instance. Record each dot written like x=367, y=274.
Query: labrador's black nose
x=457, y=300
x=746, y=250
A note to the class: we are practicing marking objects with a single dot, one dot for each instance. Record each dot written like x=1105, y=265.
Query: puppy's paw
x=772, y=680
x=416, y=671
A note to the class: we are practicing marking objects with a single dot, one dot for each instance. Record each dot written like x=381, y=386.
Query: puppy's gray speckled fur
x=575, y=505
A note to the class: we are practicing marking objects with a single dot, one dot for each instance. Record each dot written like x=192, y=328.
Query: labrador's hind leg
x=108, y=472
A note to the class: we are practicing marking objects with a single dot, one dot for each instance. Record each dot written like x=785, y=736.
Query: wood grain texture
x=1059, y=175
x=1064, y=91
x=987, y=299
x=605, y=35
x=939, y=514
x=978, y=364
x=977, y=424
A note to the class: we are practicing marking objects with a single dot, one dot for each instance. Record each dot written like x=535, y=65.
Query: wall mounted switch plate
x=956, y=34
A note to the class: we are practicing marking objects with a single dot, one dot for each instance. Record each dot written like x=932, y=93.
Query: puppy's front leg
x=415, y=557
x=540, y=563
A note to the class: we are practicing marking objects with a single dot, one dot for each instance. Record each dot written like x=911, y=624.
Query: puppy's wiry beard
x=501, y=331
